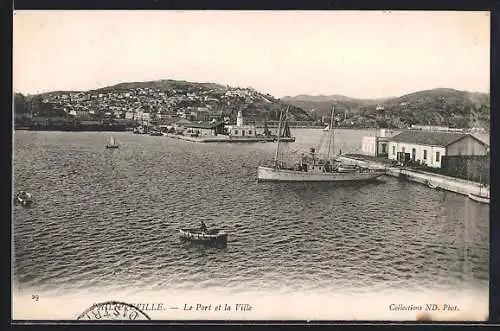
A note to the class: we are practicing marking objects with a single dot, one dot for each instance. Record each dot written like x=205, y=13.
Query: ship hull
x=283, y=175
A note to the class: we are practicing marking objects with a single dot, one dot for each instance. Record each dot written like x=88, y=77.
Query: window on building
x=413, y=154
x=437, y=156
x=384, y=148
x=393, y=150
x=235, y=131
x=249, y=131
x=425, y=154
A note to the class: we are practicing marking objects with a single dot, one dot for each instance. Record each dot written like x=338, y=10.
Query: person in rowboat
x=203, y=227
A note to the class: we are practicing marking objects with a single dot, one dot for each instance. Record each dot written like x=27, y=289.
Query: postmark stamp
x=113, y=310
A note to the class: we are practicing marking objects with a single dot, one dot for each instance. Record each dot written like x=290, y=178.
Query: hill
x=329, y=98
x=440, y=106
x=321, y=105
x=163, y=85
x=170, y=97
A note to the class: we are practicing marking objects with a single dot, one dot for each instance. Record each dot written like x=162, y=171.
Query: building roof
x=485, y=138
x=204, y=125
x=183, y=122
x=431, y=138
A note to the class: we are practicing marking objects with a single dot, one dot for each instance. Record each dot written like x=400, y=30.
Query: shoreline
x=74, y=129
x=120, y=129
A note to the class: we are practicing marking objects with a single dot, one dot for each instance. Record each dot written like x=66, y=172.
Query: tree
x=38, y=107
x=20, y=104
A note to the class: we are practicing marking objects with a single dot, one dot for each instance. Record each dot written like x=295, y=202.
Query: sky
x=284, y=53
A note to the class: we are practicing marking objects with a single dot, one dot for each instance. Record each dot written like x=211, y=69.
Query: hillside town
x=165, y=102
x=150, y=105
x=135, y=105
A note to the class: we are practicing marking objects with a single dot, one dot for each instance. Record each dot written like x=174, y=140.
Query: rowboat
x=481, y=198
x=23, y=198
x=212, y=237
x=432, y=185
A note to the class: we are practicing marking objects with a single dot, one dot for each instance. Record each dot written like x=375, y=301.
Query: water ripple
x=111, y=219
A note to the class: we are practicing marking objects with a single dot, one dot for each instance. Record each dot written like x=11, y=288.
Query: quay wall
x=447, y=183
x=64, y=127
x=225, y=139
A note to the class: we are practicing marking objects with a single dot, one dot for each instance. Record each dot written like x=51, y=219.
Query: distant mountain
x=329, y=98
x=440, y=106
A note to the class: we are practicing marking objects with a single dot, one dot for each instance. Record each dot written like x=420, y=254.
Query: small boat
x=347, y=168
x=481, y=198
x=112, y=143
x=140, y=130
x=431, y=185
x=212, y=237
x=156, y=134
x=23, y=198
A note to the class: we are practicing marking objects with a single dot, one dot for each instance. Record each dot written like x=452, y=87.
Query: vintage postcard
x=251, y=165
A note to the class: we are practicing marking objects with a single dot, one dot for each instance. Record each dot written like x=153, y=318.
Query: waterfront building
x=429, y=147
x=375, y=145
x=212, y=128
x=181, y=125
x=240, y=129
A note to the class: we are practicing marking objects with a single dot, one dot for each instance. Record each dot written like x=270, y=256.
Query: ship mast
x=278, y=146
x=330, y=142
x=480, y=183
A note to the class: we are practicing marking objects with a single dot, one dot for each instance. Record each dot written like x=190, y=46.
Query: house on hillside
x=429, y=147
x=129, y=115
x=200, y=114
x=79, y=112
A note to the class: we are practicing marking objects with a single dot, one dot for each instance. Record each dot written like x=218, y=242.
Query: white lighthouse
x=240, y=129
x=239, y=119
